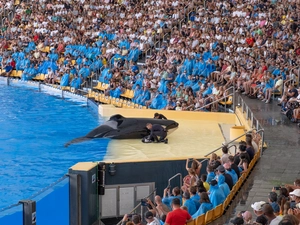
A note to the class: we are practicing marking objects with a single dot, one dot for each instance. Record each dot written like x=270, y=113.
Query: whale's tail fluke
x=77, y=140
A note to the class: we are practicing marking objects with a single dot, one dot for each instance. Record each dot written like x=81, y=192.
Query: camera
x=144, y=202
x=277, y=188
x=293, y=205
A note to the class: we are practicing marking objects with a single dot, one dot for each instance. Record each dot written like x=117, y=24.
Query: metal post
x=7, y=81
x=252, y=122
x=75, y=199
x=142, y=213
x=298, y=76
x=62, y=94
x=262, y=143
x=257, y=125
x=243, y=108
x=247, y=113
x=29, y=212
x=233, y=102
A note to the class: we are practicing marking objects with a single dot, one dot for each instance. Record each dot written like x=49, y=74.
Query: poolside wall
x=108, y=110
x=144, y=172
x=52, y=204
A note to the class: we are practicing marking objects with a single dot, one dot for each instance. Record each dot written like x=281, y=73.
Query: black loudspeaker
x=101, y=178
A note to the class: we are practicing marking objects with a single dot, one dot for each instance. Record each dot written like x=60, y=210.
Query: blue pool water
x=34, y=128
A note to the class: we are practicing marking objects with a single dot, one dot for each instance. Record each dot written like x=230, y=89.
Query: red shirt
x=35, y=38
x=250, y=41
x=177, y=217
x=13, y=64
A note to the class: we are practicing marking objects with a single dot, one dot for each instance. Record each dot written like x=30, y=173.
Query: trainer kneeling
x=156, y=131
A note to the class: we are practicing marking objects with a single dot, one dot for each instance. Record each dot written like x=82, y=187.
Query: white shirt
x=154, y=222
x=276, y=221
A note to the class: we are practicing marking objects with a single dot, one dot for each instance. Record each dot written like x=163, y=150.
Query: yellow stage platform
x=198, y=134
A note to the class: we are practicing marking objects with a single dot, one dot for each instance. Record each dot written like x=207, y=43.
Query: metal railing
x=232, y=141
x=254, y=122
x=140, y=204
x=176, y=175
x=218, y=100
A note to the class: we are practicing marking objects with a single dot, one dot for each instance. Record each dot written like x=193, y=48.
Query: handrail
x=155, y=45
x=150, y=52
x=233, y=100
x=214, y=102
x=257, y=131
x=180, y=183
x=167, y=34
x=275, y=80
x=138, y=205
x=258, y=127
x=234, y=148
x=176, y=175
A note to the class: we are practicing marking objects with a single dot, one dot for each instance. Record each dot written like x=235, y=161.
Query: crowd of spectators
x=195, y=50
x=203, y=192
x=281, y=207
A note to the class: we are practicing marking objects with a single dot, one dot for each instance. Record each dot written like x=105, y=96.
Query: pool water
x=34, y=128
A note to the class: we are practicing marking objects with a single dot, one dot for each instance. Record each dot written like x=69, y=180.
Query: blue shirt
x=190, y=204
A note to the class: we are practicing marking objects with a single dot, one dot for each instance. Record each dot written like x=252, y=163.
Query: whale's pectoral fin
x=77, y=140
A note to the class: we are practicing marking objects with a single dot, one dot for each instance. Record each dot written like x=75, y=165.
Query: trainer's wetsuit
x=157, y=130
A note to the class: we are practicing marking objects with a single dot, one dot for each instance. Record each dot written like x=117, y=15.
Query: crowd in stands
x=203, y=192
x=195, y=50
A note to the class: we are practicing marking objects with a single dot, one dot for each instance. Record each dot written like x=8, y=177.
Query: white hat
x=296, y=192
x=257, y=206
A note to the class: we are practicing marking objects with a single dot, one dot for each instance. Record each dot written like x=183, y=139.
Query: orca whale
x=119, y=127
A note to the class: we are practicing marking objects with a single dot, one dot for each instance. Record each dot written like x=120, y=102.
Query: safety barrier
x=228, y=100
x=253, y=122
x=49, y=206
x=217, y=212
x=139, y=206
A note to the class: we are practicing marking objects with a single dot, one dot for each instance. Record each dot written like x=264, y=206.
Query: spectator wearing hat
x=151, y=219
x=189, y=203
x=273, y=203
x=295, y=196
x=257, y=208
x=216, y=194
x=228, y=178
x=205, y=205
x=178, y=216
x=237, y=221
x=269, y=213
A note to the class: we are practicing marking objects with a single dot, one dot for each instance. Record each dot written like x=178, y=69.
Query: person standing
x=178, y=216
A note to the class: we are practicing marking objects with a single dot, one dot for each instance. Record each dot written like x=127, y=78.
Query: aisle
x=280, y=162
